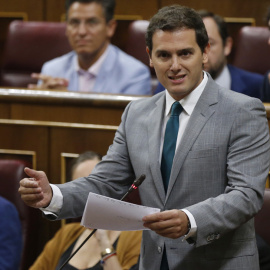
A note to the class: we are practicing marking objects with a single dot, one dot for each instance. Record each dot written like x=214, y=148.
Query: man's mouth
x=177, y=77
x=82, y=41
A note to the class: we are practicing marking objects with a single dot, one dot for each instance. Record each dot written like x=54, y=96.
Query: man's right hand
x=49, y=82
x=36, y=190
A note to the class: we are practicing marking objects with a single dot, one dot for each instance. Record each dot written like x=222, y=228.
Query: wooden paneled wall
x=228, y=8
x=51, y=10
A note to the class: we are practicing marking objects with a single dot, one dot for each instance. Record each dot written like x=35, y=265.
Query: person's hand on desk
x=36, y=190
x=172, y=223
x=48, y=82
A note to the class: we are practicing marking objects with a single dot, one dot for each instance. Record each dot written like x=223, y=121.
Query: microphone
x=135, y=185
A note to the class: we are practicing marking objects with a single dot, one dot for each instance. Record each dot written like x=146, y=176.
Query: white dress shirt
x=224, y=79
x=188, y=103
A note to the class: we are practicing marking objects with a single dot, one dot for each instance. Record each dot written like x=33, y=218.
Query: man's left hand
x=172, y=223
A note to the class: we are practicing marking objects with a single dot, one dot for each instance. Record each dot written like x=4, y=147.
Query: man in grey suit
x=221, y=162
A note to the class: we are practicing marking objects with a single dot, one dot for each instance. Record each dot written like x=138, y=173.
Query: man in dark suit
x=228, y=76
x=204, y=150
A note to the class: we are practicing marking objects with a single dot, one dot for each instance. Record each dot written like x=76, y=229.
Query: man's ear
x=111, y=26
x=205, y=53
x=228, y=46
x=150, y=59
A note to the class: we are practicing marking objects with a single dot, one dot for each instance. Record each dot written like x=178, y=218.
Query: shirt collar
x=224, y=78
x=189, y=102
x=95, y=68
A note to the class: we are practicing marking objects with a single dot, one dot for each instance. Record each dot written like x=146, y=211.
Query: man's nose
x=175, y=64
x=82, y=28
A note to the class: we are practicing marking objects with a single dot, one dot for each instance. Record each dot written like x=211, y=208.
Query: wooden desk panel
x=77, y=140
x=71, y=107
x=71, y=114
x=17, y=135
x=48, y=140
x=4, y=111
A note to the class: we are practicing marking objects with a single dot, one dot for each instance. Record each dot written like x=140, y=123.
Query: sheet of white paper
x=109, y=214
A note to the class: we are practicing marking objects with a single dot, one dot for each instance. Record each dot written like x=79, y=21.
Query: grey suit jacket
x=218, y=174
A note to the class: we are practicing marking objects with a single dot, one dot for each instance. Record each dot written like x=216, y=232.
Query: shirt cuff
x=56, y=203
x=193, y=226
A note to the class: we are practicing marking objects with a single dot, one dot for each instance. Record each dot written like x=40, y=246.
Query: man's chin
x=84, y=52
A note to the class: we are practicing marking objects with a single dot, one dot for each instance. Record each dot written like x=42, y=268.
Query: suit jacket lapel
x=154, y=131
x=201, y=114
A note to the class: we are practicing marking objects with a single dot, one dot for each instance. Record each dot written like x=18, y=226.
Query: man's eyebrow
x=183, y=49
x=189, y=49
x=161, y=51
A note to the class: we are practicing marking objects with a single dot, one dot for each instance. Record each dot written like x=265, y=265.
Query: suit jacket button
x=210, y=237
x=159, y=249
x=217, y=236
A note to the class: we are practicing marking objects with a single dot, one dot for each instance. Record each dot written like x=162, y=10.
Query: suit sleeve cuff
x=56, y=203
x=193, y=227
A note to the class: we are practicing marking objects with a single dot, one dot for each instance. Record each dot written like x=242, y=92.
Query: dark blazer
x=266, y=88
x=245, y=82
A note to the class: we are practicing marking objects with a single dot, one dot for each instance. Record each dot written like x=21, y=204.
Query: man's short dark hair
x=221, y=24
x=88, y=155
x=177, y=17
x=108, y=6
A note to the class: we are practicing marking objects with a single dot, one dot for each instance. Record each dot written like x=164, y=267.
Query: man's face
x=84, y=168
x=177, y=60
x=218, y=52
x=87, y=30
